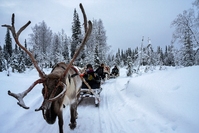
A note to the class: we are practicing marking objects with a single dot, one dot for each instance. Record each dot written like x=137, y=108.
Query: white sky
x=125, y=21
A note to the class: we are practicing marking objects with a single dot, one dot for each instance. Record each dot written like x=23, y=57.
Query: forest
x=50, y=48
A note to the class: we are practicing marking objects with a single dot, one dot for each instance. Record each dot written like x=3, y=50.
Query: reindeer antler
x=84, y=15
x=20, y=96
x=16, y=38
x=15, y=35
x=88, y=32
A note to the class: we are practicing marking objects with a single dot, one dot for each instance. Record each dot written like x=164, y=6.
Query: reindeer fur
x=70, y=98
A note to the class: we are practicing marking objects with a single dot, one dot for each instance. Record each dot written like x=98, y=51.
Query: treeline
x=186, y=33
x=146, y=56
x=50, y=48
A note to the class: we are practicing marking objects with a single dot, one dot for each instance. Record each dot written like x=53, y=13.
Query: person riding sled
x=91, y=77
x=100, y=71
x=115, y=71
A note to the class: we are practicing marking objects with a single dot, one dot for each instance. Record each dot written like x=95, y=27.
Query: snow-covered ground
x=164, y=101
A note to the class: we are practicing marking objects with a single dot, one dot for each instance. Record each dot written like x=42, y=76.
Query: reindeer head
x=54, y=86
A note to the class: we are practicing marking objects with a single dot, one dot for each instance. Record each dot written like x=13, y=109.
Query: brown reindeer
x=60, y=87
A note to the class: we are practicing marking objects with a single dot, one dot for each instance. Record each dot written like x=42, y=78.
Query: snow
x=158, y=101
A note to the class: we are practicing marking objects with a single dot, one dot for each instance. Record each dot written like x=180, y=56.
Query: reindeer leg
x=73, y=113
x=60, y=122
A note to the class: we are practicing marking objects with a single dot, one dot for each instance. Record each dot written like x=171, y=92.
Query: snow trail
x=159, y=101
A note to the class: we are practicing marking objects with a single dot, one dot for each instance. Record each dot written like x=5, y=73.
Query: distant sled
x=114, y=72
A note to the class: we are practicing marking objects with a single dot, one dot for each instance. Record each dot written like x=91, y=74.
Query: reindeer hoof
x=72, y=125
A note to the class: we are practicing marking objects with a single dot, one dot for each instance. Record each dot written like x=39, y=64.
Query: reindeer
x=60, y=88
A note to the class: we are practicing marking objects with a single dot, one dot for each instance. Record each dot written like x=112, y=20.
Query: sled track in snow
x=107, y=117
x=110, y=109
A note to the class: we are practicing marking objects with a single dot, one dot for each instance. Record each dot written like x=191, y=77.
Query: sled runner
x=113, y=75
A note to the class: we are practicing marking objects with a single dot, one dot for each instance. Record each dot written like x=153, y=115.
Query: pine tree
x=178, y=58
x=122, y=58
x=149, y=57
x=170, y=57
x=65, y=51
x=96, y=58
x=196, y=55
x=27, y=59
x=18, y=60
x=56, y=54
x=159, y=56
x=76, y=33
x=166, y=60
x=110, y=60
x=187, y=51
x=2, y=60
x=8, y=47
x=129, y=66
x=8, y=42
x=117, y=58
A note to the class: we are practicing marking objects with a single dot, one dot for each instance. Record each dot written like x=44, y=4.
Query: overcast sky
x=125, y=21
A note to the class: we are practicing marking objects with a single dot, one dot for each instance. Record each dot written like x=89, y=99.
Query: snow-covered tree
x=149, y=57
x=100, y=39
x=8, y=47
x=170, y=56
x=41, y=40
x=76, y=33
x=196, y=55
x=27, y=59
x=65, y=47
x=96, y=57
x=111, y=60
x=18, y=60
x=187, y=51
x=117, y=58
x=129, y=66
x=97, y=39
x=56, y=54
x=8, y=43
x=186, y=22
x=2, y=60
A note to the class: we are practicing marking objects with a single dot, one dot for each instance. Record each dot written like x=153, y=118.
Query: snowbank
x=159, y=101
